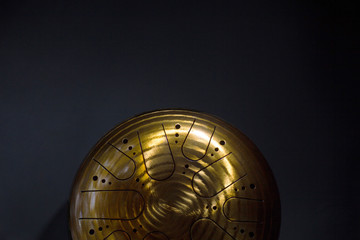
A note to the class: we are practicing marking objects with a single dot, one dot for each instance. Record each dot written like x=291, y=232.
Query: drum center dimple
x=173, y=203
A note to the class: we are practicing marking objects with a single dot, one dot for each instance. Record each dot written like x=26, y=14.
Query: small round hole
x=100, y=228
x=243, y=188
x=176, y=134
x=134, y=153
x=177, y=126
x=137, y=180
x=140, y=226
x=214, y=207
x=103, y=180
x=222, y=142
x=212, y=154
x=109, y=183
x=207, y=207
x=242, y=230
x=107, y=226
x=130, y=147
x=252, y=186
x=236, y=190
x=91, y=231
x=235, y=228
x=186, y=165
x=251, y=234
x=216, y=149
x=176, y=141
x=125, y=141
x=95, y=178
x=183, y=172
x=134, y=230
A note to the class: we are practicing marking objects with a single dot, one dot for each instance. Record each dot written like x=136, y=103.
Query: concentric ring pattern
x=174, y=174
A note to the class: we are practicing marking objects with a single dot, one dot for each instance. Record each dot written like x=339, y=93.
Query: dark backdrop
x=70, y=71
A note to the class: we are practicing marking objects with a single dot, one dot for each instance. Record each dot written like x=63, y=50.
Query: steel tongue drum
x=174, y=174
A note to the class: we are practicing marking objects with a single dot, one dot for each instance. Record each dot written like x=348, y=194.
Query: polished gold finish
x=175, y=174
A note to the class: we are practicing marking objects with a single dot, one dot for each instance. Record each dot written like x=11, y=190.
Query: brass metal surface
x=174, y=174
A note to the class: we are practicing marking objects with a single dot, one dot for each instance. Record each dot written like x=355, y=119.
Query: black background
x=70, y=71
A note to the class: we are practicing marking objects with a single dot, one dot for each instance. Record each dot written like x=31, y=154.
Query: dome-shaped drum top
x=174, y=174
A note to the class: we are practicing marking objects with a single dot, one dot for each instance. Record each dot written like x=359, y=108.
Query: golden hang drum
x=174, y=174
